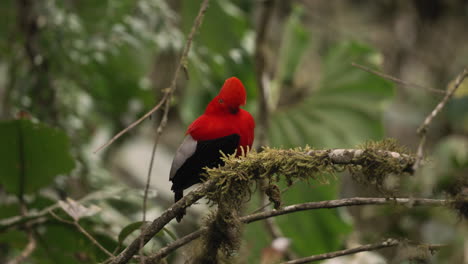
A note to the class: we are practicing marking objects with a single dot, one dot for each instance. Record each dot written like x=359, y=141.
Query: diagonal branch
x=356, y=201
x=369, y=247
x=163, y=220
x=171, y=89
x=167, y=95
x=396, y=80
x=422, y=130
x=83, y=231
x=27, y=251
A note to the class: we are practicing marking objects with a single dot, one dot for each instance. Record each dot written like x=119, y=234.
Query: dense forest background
x=75, y=73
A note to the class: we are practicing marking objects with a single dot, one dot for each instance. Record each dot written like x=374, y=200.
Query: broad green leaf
x=294, y=44
x=130, y=228
x=343, y=111
x=324, y=228
x=32, y=155
x=66, y=244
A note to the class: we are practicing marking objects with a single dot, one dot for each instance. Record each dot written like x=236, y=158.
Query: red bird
x=223, y=127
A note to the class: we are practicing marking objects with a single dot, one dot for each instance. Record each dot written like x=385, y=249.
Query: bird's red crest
x=233, y=92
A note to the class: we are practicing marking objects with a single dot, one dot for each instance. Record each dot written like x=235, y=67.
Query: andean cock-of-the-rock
x=223, y=127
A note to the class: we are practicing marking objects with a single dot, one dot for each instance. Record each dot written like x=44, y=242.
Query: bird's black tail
x=177, y=196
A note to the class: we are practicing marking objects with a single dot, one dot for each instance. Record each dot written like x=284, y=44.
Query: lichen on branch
x=370, y=164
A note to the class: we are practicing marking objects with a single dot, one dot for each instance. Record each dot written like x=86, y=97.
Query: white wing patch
x=185, y=151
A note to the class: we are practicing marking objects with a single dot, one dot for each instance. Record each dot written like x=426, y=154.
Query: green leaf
x=325, y=227
x=295, y=43
x=32, y=155
x=66, y=244
x=344, y=111
x=130, y=228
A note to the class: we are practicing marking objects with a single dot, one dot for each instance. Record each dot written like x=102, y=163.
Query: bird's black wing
x=207, y=154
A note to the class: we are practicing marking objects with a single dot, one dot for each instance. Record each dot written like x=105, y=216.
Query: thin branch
x=369, y=247
x=357, y=201
x=422, y=130
x=132, y=125
x=442, y=103
x=27, y=251
x=165, y=251
x=390, y=242
x=83, y=231
x=22, y=219
x=32, y=244
x=396, y=80
x=156, y=226
x=196, y=25
x=167, y=95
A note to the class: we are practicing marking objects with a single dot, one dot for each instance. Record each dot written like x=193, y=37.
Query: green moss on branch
x=370, y=164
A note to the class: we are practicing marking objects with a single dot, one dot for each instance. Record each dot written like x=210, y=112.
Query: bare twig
x=357, y=201
x=422, y=130
x=390, y=242
x=167, y=95
x=32, y=244
x=132, y=125
x=27, y=251
x=369, y=247
x=83, y=231
x=196, y=25
x=396, y=80
x=156, y=226
x=165, y=251
x=442, y=103
x=29, y=217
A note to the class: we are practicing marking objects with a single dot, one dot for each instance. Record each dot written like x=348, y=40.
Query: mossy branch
x=230, y=186
x=370, y=164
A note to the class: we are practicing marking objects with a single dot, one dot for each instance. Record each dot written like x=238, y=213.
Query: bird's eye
x=221, y=101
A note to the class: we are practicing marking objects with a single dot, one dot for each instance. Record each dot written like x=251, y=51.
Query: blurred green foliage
x=32, y=155
x=82, y=68
x=332, y=115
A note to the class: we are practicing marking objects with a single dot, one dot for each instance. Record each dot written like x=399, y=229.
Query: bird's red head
x=230, y=98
